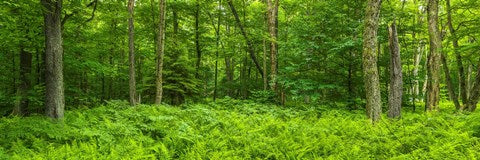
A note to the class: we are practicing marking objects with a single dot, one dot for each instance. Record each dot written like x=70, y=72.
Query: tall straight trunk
x=40, y=57
x=474, y=93
x=458, y=56
x=197, y=39
x=448, y=79
x=425, y=79
x=14, y=76
x=417, y=58
x=25, y=82
x=350, y=85
x=229, y=63
x=416, y=64
x=217, y=45
x=396, y=81
x=131, y=51
x=433, y=67
x=272, y=29
x=265, y=80
x=469, y=80
x=250, y=47
x=54, y=99
x=370, y=71
x=160, y=52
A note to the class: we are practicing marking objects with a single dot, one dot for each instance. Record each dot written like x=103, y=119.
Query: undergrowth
x=232, y=129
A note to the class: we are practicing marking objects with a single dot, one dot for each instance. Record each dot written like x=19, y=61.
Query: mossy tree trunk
x=370, y=57
x=131, y=49
x=272, y=29
x=160, y=53
x=54, y=99
x=433, y=67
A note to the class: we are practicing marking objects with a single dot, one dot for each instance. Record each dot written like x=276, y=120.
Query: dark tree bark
x=198, y=49
x=55, y=100
x=458, y=56
x=448, y=79
x=370, y=71
x=396, y=81
x=469, y=80
x=160, y=53
x=250, y=48
x=433, y=67
x=25, y=82
x=131, y=51
x=14, y=76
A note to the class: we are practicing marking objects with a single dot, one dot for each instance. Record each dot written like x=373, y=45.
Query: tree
x=198, y=49
x=55, y=100
x=474, y=93
x=461, y=70
x=250, y=48
x=448, y=79
x=25, y=82
x=160, y=52
x=131, y=51
x=433, y=66
x=370, y=71
x=217, y=47
x=396, y=81
x=272, y=29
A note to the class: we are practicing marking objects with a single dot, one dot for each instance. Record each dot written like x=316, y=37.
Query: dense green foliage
x=232, y=129
x=320, y=47
x=216, y=104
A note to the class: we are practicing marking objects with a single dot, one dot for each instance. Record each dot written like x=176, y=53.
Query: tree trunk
x=396, y=81
x=160, y=50
x=372, y=84
x=469, y=80
x=197, y=39
x=131, y=50
x=416, y=65
x=25, y=82
x=433, y=67
x=14, y=76
x=250, y=48
x=265, y=79
x=217, y=45
x=55, y=100
x=448, y=79
x=461, y=70
x=272, y=28
x=474, y=93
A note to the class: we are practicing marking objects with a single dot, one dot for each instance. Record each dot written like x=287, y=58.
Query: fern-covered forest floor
x=231, y=129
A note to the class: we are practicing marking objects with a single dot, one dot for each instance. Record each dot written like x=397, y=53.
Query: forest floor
x=232, y=129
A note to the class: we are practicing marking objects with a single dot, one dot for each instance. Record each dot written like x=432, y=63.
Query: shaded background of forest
x=319, y=50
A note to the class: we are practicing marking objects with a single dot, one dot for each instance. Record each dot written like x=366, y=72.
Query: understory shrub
x=234, y=129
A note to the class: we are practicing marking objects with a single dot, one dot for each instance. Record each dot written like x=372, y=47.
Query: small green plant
x=264, y=96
